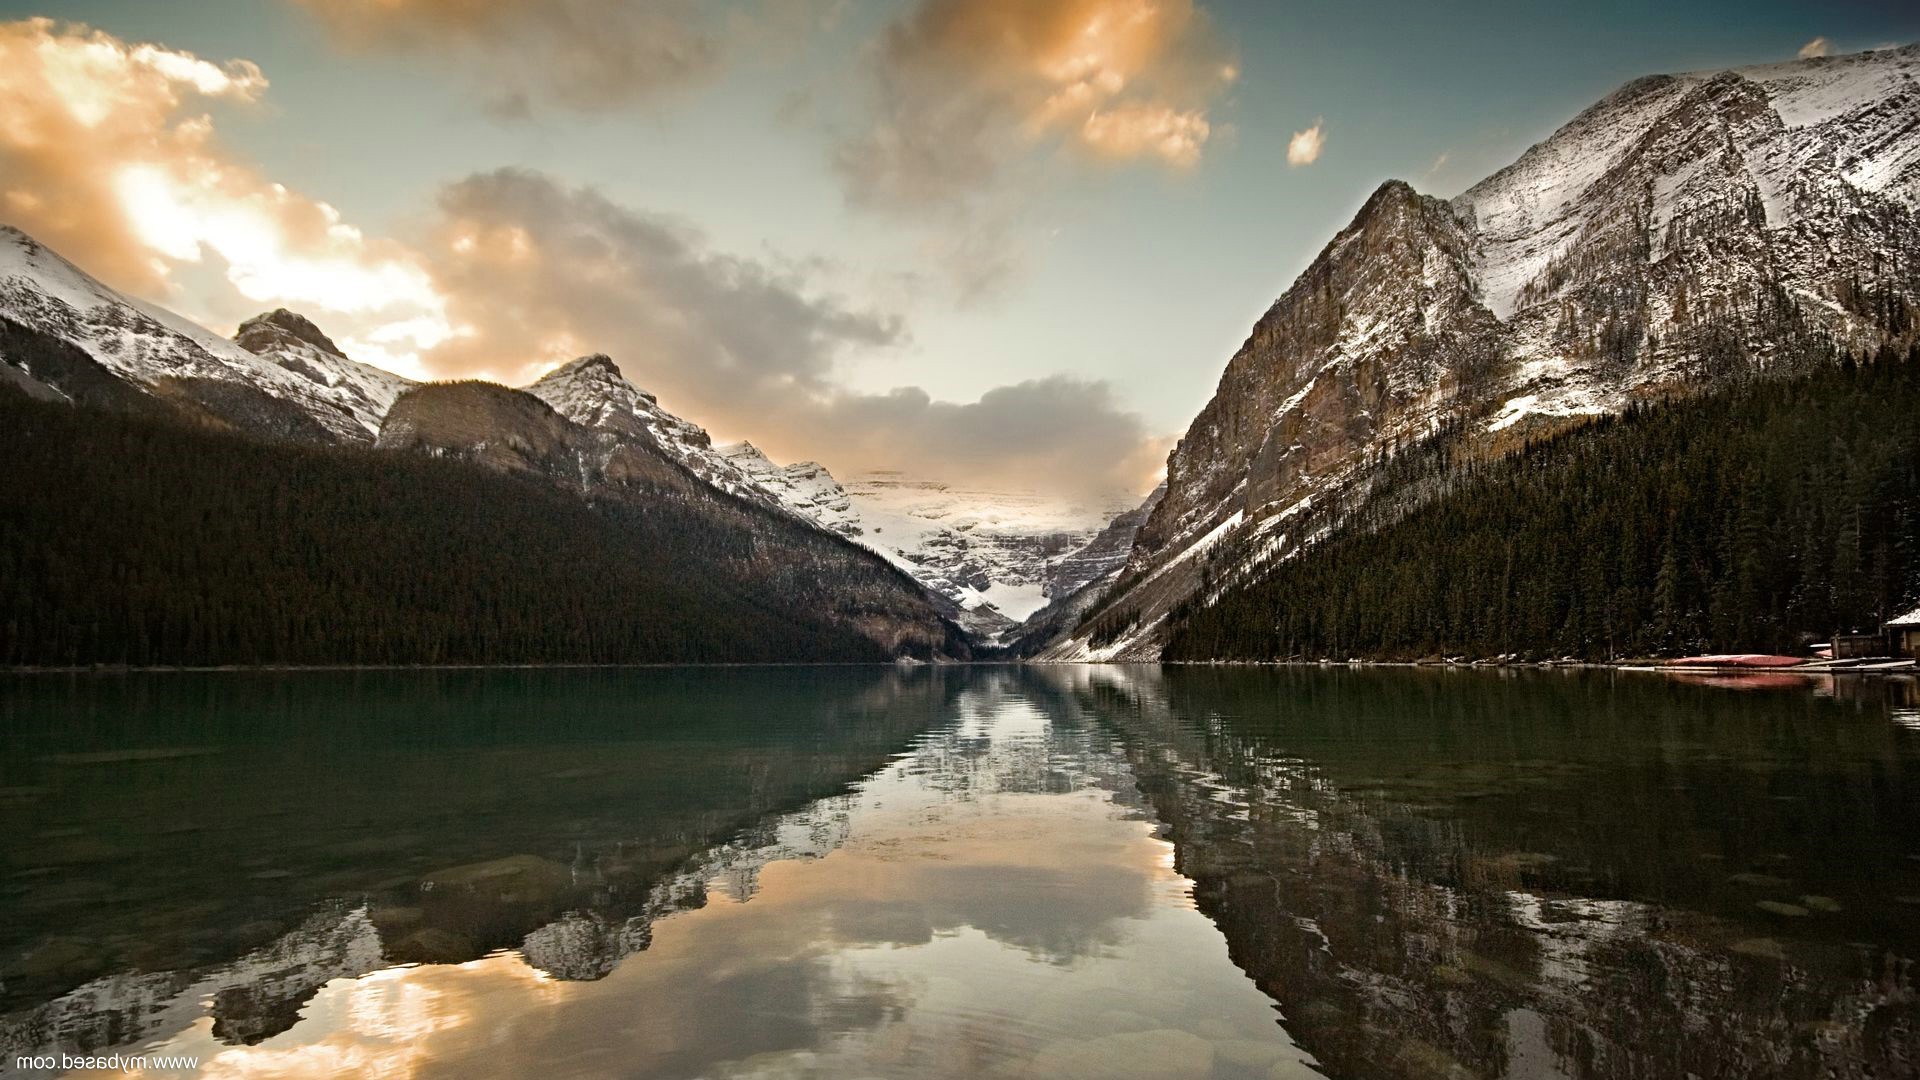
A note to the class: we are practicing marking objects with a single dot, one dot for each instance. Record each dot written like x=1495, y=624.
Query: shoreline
x=1812, y=668
x=1886, y=668
x=155, y=669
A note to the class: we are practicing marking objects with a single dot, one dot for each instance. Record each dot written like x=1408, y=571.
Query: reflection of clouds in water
x=989, y=900
x=1056, y=885
x=395, y=1008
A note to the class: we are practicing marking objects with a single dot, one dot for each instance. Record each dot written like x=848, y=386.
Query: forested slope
x=125, y=540
x=1759, y=517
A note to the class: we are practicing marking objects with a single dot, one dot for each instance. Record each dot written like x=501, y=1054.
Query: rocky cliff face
x=1686, y=230
x=1105, y=554
x=592, y=393
x=491, y=425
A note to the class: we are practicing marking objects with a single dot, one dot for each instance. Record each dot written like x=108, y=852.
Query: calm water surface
x=1045, y=872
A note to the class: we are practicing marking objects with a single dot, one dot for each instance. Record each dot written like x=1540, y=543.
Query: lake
x=1100, y=871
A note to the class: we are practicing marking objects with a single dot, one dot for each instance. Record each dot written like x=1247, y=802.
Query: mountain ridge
x=167, y=357
x=65, y=336
x=1684, y=230
x=979, y=552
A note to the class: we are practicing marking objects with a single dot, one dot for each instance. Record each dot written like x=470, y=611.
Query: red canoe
x=1751, y=660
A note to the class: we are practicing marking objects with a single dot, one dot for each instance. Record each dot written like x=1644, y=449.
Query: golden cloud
x=105, y=156
x=965, y=85
x=77, y=106
x=1137, y=130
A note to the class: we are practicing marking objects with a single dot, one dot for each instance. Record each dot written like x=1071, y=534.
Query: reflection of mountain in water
x=261, y=994
x=253, y=998
x=1476, y=880
x=590, y=943
x=1433, y=874
x=961, y=761
x=576, y=919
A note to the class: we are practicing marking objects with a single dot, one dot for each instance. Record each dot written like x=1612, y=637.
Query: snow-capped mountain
x=993, y=553
x=65, y=336
x=284, y=377
x=999, y=555
x=592, y=392
x=1687, y=229
x=295, y=345
x=985, y=547
x=805, y=487
x=1081, y=578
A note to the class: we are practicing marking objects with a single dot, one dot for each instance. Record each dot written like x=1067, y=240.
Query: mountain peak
x=742, y=451
x=599, y=364
x=1390, y=189
x=273, y=329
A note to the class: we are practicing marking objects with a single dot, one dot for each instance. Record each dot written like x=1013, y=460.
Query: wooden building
x=1857, y=646
x=1903, y=634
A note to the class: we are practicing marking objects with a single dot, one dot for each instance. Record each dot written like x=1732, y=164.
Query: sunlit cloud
x=1304, y=148
x=106, y=155
x=278, y=247
x=1819, y=46
x=962, y=86
x=77, y=107
x=1143, y=130
x=971, y=102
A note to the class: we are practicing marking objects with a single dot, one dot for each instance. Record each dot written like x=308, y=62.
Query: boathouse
x=1857, y=646
x=1903, y=634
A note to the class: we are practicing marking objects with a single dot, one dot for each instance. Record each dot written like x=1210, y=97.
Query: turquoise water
x=1034, y=871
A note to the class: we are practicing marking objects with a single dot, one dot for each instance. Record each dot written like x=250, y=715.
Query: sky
x=1000, y=241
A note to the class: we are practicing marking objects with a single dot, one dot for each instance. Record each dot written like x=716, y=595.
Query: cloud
x=542, y=272
x=1060, y=433
x=537, y=272
x=1819, y=46
x=582, y=54
x=971, y=104
x=1304, y=148
x=962, y=86
x=1137, y=130
x=105, y=154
